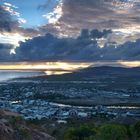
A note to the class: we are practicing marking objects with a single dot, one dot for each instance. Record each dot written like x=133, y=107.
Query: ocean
x=6, y=75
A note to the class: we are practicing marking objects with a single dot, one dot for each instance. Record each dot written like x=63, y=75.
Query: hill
x=13, y=127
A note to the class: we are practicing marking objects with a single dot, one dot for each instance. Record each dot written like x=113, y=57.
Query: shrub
x=113, y=132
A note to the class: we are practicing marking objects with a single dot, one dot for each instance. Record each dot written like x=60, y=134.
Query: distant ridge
x=108, y=70
x=92, y=72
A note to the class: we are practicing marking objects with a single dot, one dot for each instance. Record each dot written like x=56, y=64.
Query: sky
x=29, y=11
x=71, y=30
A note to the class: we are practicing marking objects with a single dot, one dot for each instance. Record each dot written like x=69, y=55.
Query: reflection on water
x=29, y=69
x=56, y=72
x=123, y=107
x=8, y=74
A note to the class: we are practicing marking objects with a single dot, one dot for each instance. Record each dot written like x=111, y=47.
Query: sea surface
x=6, y=75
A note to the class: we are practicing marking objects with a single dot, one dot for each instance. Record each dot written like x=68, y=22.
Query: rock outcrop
x=14, y=127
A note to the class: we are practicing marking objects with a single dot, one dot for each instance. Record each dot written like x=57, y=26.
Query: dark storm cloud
x=126, y=51
x=49, y=47
x=10, y=24
x=6, y=21
x=79, y=15
x=83, y=48
x=98, y=34
x=98, y=14
x=5, y=52
x=114, y=13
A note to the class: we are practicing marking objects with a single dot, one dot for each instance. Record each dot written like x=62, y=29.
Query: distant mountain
x=92, y=72
x=97, y=72
x=109, y=70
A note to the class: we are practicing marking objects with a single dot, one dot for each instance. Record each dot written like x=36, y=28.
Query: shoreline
x=91, y=104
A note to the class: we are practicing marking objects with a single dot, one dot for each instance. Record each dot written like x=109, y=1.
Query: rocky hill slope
x=13, y=127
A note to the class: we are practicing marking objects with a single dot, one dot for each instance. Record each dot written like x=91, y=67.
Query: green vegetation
x=16, y=120
x=80, y=133
x=113, y=132
x=97, y=129
x=136, y=130
x=24, y=133
x=102, y=132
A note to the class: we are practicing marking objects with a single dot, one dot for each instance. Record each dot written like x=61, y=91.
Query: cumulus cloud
x=73, y=21
x=94, y=34
x=5, y=52
x=56, y=13
x=10, y=25
x=50, y=47
x=6, y=21
x=83, y=48
x=7, y=18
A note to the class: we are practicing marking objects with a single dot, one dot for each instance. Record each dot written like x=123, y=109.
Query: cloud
x=11, y=18
x=121, y=16
x=10, y=25
x=100, y=14
x=56, y=13
x=10, y=5
x=83, y=48
x=5, y=52
x=6, y=21
x=73, y=21
x=94, y=34
x=126, y=51
x=50, y=47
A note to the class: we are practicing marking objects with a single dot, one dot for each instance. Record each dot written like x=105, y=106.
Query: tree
x=80, y=133
x=136, y=130
x=113, y=132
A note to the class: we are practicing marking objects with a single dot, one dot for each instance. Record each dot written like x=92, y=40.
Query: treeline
x=103, y=132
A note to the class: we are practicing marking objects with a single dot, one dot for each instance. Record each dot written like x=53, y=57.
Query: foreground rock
x=13, y=127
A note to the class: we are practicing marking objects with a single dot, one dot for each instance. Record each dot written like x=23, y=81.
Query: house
x=73, y=113
x=82, y=114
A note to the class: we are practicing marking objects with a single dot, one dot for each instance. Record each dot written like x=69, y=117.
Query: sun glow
x=130, y=63
x=56, y=72
x=58, y=68
x=13, y=38
x=44, y=66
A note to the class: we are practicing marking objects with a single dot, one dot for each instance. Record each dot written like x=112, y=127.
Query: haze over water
x=30, y=69
x=11, y=74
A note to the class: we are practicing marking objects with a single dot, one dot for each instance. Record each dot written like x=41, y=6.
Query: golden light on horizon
x=44, y=66
x=57, y=68
x=57, y=72
x=129, y=63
